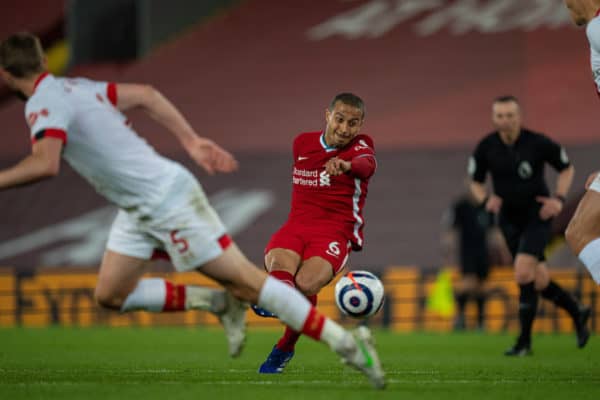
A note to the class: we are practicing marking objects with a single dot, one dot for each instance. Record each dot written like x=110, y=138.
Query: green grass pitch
x=187, y=363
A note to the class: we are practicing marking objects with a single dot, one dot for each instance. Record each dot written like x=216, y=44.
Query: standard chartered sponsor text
x=301, y=175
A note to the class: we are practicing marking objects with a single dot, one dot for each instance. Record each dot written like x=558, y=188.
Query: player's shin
x=290, y=337
x=294, y=310
x=528, y=300
x=159, y=295
x=561, y=298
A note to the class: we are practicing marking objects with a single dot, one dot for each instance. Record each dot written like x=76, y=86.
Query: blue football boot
x=276, y=361
x=261, y=312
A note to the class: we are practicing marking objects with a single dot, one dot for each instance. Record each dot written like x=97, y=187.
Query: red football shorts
x=332, y=246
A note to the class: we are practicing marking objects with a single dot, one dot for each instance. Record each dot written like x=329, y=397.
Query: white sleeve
x=593, y=34
x=48, y=116
x=107, y=89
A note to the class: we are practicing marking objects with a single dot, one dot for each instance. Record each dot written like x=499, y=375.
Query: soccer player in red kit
x=161, y=204
x=330, y=177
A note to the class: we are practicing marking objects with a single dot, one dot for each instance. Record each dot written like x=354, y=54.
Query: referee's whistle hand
x=494, y=204
x=551, y=207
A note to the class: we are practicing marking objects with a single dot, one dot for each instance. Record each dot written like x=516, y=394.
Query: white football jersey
x=593, y=34
x=99, y=143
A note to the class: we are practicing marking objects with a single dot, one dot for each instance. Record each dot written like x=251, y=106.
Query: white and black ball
x=359, y=294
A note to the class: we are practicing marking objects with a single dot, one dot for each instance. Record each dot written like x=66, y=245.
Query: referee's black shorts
x=526, y=233
x=474, y=260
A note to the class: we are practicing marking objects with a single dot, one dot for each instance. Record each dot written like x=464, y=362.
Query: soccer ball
x=359, y=294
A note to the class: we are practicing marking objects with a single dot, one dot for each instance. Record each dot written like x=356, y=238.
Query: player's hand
x=336, y=166
x=590, y=179
x=210, y=156
x=551, y=207
x=494, y=204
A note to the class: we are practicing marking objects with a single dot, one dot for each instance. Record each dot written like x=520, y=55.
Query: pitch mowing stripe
x=301, y=382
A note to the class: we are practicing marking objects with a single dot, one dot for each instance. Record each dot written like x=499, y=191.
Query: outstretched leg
x=248, y=283
x=120, y=287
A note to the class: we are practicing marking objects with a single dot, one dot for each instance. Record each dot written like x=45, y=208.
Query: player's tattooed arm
x=43, y=162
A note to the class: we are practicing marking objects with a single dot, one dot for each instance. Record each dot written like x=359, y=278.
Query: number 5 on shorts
x=180, y=243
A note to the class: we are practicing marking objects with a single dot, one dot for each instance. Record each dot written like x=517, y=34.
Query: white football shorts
x=185, y=226
x=595, y=186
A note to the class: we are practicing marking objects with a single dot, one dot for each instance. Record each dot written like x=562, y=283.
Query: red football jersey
x=320, y=201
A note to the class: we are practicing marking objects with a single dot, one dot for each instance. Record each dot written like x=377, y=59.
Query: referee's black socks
x=461, y=301
x=561, y=298
x=528, y=300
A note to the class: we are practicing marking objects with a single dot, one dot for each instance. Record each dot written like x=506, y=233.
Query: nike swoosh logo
x=302, y=158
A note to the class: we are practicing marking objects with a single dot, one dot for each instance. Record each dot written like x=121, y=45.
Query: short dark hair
x=22, y=55
x=349, y=99
x=509, y=98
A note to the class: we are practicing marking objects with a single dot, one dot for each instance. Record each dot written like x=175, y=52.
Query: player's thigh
x=324, y=257
x=127, y=251
x=542, y=276
x=117, y=277
x=525, y=268
x=315, y=273
x=282, y=259
x=236, y=273
x=195, y=238
x=512, y=234
x=188, y=228
x=535, y=238
x=332, y=247
x=585, y=224
x=284, y=250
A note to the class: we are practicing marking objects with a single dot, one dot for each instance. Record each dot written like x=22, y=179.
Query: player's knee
x=278, y=264
x=523, y=276
x=541, y=282
x=308, y=286
x=107, y=299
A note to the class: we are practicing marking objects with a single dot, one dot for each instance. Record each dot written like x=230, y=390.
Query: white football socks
x=293, y=308
x=148, y=295
x=289, y=304
x=336, y=337
x=151, y=294
x=590, y=257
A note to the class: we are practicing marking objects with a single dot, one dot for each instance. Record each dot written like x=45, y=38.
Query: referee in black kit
x=515, y=158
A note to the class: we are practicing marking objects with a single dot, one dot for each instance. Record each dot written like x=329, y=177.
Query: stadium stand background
x=252, y=74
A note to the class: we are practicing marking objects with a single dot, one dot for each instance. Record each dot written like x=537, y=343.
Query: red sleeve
x=363, y=166
x=111, y=93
